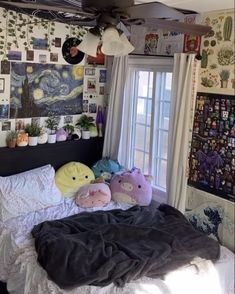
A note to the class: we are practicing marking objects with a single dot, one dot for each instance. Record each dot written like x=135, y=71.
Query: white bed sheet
x=19, y=267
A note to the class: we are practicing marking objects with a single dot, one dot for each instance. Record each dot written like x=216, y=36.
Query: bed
x=19, y=266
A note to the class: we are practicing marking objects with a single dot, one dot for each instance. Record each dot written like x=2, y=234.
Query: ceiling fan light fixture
x=89, y=44
x=128, y=47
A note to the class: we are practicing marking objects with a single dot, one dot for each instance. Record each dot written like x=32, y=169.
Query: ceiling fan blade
x=57, y=8
x=154, y=10
x=176, y=26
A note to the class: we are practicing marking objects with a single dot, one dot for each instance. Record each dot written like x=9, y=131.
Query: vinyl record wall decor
x=70, y=52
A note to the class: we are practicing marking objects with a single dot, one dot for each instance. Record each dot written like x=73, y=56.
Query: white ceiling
x=196, y=5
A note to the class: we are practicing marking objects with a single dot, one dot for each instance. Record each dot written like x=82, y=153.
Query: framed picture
x=2, y=85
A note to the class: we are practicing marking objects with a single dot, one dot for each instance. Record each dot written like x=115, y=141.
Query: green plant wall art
x=40, y=89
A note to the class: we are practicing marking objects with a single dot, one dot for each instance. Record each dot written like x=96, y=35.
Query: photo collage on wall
x=212, y=158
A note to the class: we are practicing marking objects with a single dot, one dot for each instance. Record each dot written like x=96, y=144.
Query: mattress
x=20, y=269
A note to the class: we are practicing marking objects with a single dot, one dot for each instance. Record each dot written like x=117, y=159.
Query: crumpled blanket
x=118, y=246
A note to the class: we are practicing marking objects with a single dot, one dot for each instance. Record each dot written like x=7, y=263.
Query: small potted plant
x=85, y=122
x=69, y=129
x=33, y=130
x=224, y=77
x=11, y=139
x=52, y=123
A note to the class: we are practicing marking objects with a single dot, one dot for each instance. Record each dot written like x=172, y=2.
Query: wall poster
x=212, y=158
x=40, y=89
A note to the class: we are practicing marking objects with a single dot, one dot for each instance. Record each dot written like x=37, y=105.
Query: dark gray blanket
x=117, y=246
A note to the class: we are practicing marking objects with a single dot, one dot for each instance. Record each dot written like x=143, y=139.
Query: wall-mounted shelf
x=19, y=159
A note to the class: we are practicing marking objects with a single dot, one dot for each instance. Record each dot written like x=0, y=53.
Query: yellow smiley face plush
x=71, y=176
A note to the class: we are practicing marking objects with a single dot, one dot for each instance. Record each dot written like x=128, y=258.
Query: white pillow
x=28, y=191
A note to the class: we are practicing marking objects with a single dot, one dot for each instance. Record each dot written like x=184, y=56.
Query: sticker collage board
x=212, y=156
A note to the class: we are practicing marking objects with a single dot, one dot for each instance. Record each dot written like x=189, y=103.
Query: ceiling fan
x=104, y=13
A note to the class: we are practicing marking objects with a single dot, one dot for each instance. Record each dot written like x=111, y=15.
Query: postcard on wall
x=19, y=125
x=192, y=44
x=102, y=78
x=4, y=111
x=42, y=58
x=85, y=106
x=91, y=85
x=92, y=107
x=101, y=92
x=14, y=55
x=2, y=85
x=151, y=43
x=30, y=55
x=54, y=57
x=89, y=71
x=58, y=42
x=40, y=44
x=6, y=126
x=5, y=67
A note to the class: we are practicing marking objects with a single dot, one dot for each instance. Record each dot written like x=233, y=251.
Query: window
x=149, y=93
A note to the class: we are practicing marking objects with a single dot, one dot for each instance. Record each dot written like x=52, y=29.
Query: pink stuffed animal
x=132, y=187
x=93, y=195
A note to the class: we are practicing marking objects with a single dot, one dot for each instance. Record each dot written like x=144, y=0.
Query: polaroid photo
x=91, y=85
x=58, y=42
x=54, y=57
x=19, y=125
x=89, y=71
x=102, y=78
x=68, y=119
x=14, y=55
x=29, y=55
x=6, y=126
x=2, y=85
x=92, y=107
x=5, y=67
x=4, y=111
x=42, y=58
x=85, y=106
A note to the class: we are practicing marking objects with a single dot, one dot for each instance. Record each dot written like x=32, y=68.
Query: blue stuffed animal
x=106, y=168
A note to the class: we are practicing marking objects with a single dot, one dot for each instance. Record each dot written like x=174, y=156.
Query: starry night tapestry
x=41, y=89
x=212, y=158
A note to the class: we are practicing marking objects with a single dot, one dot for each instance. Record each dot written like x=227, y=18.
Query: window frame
x=155, y=64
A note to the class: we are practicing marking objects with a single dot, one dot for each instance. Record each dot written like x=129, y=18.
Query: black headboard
x=19, y=159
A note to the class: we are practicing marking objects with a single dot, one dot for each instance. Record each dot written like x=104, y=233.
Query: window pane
x=139, y=159
x=146, y=164
x=141, y=110
x=150, y=94
x=163, y=144
x=147, y=143
x=165, y=115
x=168, y=80
x=143, y=83
x=139, y=137
x=162, y=174
x=149, y=111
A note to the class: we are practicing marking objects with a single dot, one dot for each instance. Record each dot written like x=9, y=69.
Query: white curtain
x=183, y=97
x=115, y=107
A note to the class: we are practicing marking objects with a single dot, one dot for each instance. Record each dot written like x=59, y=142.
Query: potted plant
x=33, y=130
x=85, y=122
x=11, y=139
x=52, y=123
x=224, y=76
x=69, y=129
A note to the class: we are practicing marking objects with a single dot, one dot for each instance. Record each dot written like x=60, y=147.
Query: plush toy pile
x=91, y=188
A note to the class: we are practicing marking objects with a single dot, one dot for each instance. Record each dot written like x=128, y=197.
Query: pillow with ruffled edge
x=71, y=176
x=28, y=191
